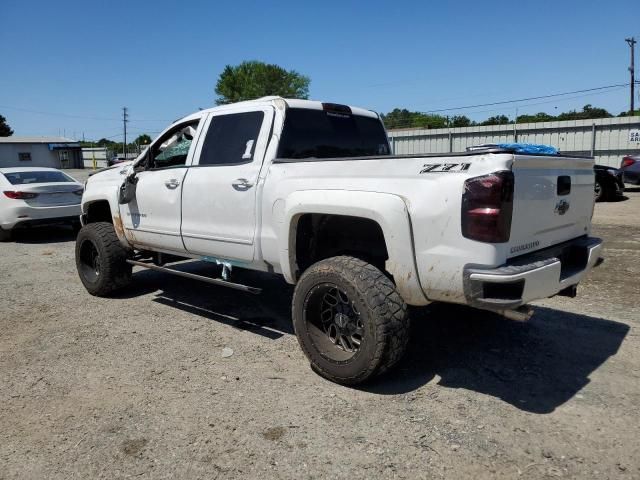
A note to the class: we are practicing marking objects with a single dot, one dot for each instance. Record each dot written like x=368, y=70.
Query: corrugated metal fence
x=607, y=139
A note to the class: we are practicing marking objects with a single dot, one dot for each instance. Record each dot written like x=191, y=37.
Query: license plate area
x=573, y=260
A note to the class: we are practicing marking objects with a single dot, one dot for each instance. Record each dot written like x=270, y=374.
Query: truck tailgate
x=553, y=201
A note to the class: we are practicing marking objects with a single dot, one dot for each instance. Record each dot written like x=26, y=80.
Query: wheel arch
x=102, y=210
x=389, y=212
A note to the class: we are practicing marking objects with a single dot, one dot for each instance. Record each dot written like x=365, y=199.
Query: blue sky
x=79, y=62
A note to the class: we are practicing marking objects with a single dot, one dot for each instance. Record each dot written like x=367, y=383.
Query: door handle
x=173, y=183
x=242, y=184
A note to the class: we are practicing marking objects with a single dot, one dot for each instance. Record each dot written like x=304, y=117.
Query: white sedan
x=37, y=196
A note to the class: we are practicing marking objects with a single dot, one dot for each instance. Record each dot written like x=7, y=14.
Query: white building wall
x=41, y=156
x=572, y=137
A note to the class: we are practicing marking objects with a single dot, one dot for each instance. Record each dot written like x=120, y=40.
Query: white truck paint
x=205, y=217
x=310, y=191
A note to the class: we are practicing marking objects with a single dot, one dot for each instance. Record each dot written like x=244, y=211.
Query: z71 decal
x=445, y=167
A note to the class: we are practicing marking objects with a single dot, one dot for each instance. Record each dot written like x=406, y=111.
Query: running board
x=193, y=276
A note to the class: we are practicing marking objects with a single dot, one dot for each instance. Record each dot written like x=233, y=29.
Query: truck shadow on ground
x=267, y=314
x=40, y=235
x=535, y=366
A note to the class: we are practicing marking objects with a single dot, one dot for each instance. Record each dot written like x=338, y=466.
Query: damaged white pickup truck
x=311, y=191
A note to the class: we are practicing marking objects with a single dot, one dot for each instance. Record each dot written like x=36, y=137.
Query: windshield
x=325, y=134
x=43, y=176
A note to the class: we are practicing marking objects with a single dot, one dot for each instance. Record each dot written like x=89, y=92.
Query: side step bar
x=193, y=276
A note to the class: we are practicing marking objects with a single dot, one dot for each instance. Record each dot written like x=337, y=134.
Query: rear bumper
x=24, y=215
x=533, y=276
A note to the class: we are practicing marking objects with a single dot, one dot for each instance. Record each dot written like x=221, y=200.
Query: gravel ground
x=138, y=386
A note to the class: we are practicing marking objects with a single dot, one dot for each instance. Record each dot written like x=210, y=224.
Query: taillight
x=20, y=195
x=79, y=192
x=487, y=206
x=627, y=161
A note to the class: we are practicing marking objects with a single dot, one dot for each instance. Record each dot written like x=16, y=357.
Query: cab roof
x=280, y=102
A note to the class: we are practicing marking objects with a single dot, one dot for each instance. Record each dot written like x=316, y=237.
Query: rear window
x=22, y=178
x=325, y=134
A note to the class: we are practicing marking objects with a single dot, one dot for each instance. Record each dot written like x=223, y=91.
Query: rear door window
x=231, y=139
x=311, y=133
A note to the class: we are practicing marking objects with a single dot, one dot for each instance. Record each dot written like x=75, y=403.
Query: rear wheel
x=349, y=319
x=101, y=259
x=599, y=191
x=5, y=235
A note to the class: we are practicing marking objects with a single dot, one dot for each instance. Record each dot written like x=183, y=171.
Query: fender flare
x=118, y=226
x=389, y=211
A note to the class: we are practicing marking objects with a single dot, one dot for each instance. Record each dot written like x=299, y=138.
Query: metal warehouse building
x=607, y=139
x=55, y=152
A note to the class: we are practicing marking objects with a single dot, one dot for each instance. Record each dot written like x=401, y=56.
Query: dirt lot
x=137, y=386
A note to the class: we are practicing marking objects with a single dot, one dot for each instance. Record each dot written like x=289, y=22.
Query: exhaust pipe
x=520, y=314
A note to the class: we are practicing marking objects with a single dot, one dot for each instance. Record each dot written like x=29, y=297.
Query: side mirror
x=128, y=189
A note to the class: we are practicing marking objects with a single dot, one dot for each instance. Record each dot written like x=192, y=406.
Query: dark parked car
x=630, y=167
x=609, y=183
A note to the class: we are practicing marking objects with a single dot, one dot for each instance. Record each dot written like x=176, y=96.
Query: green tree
x=143, y=139
x=496, y=120
x=403, y=118
x=5, y=129
x=460, y=121
x=103, y=142
x=538, y=117
x=587, y=112
x=636, y=113
x=255, y=79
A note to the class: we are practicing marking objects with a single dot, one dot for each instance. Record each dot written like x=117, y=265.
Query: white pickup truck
x=311, y=191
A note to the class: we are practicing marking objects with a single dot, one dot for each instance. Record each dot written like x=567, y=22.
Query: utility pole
x=632, y=42
x=125, y=119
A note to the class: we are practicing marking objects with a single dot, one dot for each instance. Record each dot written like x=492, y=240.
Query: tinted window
x=44, y=176
x=231, y=139
x=324, y=134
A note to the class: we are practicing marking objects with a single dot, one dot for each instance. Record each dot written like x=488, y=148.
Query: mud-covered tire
x=101, y=259
x=380, y=311
x=5, y=235
x=599, y=192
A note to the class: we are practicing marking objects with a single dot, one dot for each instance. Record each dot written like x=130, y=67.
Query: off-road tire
x=599, y=193
x=382, y=311
x=114, y=272
x=5, y=235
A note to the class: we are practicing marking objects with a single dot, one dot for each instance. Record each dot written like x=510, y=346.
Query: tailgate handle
x=564, y=185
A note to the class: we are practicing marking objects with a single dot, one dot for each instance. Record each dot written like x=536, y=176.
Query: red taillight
x=627, y=161
x=487, y=206
x=20, y=195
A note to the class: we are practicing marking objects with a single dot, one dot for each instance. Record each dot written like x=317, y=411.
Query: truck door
x=219, y=192
x=152, y=218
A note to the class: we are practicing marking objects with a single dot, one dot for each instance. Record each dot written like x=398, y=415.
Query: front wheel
x=101, y=259
x=349, y=319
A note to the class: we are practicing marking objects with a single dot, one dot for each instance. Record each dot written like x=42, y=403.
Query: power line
x=504, y=102
x=501, y=110
x=84, y=117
